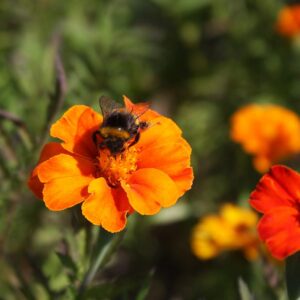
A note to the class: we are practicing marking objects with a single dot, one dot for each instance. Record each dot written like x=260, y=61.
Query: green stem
x=101, y=260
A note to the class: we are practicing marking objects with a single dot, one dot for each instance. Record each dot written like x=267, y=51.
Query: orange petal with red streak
x=103, y=208
x=183, y=180
x=49, y=150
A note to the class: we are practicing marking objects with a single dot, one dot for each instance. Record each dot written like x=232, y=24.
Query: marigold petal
x=49, y=150
x=238, y=216
x=76, y=127
x=203, y=246
x=65, y=179
x=262, y=164
x=171, y=158
x=279, y=187
x=103, y=208
x=150, y=189
x=163, y=128
x=276, y=220
x=214, y=228
x=251, y=252
x=183, y=180
x=288, y=23
x=122, y=203
x=268, y=132
x=35, y=185
x=141, y=109
x=279, y=228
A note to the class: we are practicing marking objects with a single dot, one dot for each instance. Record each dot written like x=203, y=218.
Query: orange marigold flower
x=269, y=132
x=232, y=229
x=277, y=196
x=288, y=20
x=151, y=174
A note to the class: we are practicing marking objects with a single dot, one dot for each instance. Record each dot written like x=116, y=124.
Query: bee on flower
x=129, y=159
x=232, y=229
x=270, y=133
x=288, y=21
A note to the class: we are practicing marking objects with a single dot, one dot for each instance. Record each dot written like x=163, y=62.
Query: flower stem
x=101, y=260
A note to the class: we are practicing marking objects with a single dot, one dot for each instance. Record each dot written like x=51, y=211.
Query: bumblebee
x=120, y=128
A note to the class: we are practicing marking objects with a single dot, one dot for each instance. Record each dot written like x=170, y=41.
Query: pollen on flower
x=115, y=168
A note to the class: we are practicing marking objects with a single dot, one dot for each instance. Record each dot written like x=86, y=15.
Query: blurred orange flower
x=232, y=229
x=269, y=132
x=277, y=197
x=145, y=177
x=288, y=20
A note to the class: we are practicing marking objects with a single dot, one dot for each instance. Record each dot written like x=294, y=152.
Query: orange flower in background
x=269, y=132
x=232, y=229
x=143, y=176
x=288, y=20
x=277, y=196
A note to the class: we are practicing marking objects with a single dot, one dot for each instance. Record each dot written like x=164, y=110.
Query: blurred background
x=197, y=61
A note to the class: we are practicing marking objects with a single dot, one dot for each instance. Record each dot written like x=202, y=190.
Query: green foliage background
x=197, y=61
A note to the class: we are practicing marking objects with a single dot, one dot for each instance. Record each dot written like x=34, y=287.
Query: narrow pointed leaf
x=244, y=290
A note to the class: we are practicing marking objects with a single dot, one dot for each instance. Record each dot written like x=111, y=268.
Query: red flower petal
x=103, y=208
x=280, y=229
x=279, y=187
x=288, y=21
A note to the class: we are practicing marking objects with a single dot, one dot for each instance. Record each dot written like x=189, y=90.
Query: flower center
x=115, y=168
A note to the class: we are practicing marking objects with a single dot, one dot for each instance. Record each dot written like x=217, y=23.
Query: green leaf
x=68, y=263
x=244, y=290
x=144, y=290
x=292, y=276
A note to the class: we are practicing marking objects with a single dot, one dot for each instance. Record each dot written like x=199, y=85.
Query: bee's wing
x=137, y=109
x=107, y=105
x=141, y=108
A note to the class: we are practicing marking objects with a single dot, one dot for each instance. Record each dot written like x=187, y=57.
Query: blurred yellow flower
x=269, y=132
x=234, y=228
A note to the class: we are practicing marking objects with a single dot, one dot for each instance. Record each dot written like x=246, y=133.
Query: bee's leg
x=102, y=145
x=144, y=125
x=136, y=139
x=94, y=137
